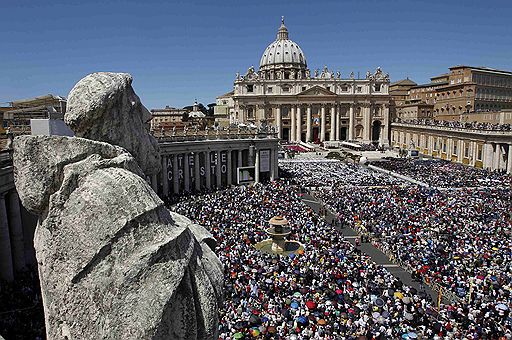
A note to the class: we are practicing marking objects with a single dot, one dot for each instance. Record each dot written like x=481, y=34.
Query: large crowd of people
x=319, y=173
x=445, y=174
x=331, y=291
x=457, y=124
x=458, y=238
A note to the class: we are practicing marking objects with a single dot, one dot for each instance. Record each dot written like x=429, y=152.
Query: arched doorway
x=376, y=127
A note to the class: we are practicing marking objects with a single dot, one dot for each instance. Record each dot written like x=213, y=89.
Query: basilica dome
x=283, y=52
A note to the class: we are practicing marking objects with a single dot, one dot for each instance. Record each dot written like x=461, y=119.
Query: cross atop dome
x=282, y=33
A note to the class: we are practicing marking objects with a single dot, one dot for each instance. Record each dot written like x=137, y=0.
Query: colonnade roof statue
x=114, y=263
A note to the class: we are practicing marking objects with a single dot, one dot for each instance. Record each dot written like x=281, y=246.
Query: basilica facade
x=309, y=106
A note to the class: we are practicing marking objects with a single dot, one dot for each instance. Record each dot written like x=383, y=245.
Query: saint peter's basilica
x=309, y=106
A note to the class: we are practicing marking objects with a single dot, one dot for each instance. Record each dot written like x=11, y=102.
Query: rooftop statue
x=113, y=262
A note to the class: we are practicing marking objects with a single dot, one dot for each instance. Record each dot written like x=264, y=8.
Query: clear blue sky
x=181, y=50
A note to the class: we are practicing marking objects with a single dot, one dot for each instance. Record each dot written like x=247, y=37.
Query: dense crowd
x=457, y=124
x=21, y=308
x=318, y=173
x=331, y=291
x=459, y=239
x=445, y=174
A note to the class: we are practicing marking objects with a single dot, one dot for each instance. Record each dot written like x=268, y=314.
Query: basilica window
x=328, y=88
x=359, y=89
x=377, y=87
x=303, y=88
x=250, y=88
x=250, y=113
x=286, y=89
x=344, y=88
x=269, y=89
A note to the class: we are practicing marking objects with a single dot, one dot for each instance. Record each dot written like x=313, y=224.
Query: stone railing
x=191, y=135
x=458, y=129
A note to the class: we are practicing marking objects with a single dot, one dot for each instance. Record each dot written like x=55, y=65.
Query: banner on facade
x=264, y=160
x=246, y=174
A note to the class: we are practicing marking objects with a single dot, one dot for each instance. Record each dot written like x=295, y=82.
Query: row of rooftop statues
x=114, y=263
x=324, y=74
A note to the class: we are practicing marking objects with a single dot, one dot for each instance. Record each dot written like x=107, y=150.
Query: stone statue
x=316, y=73
x=352, y=75
x=237, y=77
x=113, y=262
x=368, y=74
x=174, y=130
x=250, y=70
x=308, y=74
x=338, y=74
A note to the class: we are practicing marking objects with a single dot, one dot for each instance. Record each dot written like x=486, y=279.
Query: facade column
x=175, y=175
x=197, y=171
x=16, y=227
x=387, y=124
x=351, y=120
x=278, y=122
x=337, y=133
x=473, y=153
x=322, y=124
x=186, y=172
x=6, y=269
x=165, y=177
x=460, y=151
x=509, y=159
x=332, y=131
x=208, y=169
x=218, y=174
x=367, y=122
x=309, y=130
x=298, y=126
x=276, y=164
x=293, y=121
x=257, y=166
x=230, y=169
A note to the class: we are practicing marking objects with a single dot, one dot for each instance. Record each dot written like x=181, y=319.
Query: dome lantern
x=282, y=33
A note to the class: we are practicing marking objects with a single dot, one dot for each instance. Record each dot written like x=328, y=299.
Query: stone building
x=310, y=105
x=474, y=89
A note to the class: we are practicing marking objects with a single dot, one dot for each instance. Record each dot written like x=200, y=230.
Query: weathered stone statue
x=114, y=263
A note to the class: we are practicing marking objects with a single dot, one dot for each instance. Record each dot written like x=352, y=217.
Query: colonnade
x=197, y=169
x=486, y=149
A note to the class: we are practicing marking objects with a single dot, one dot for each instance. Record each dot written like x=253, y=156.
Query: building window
x=377, y=87
x=286, y=89
x=303, y=88
x=250, y=113
x=455, y=148
x=250, y=88
x=269, y=89
x=328, y=88
x=359, y=88
x=344, y=88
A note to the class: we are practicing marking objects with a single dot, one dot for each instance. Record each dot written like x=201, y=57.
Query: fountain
x=277, y=243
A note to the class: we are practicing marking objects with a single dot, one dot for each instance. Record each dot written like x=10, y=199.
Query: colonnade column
x=322, y=124
x=175, y=175
x=387, y=124
x=497, y=157
x=6, y=270
x=197, y=172
x=186, y=173
x=332, y=134
x=474, y=153
x=218, y=174
x=351, y=119
x=257, y=166
x=293, y=121
x=509, y=159
x=298, y=126
x=308, y=124
x=16, y=227
x=165, y=177
x=230, y=169
x=278, y=122
x=207, y=166
x=337, y=134
x=272, y=164
x=240, y=159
